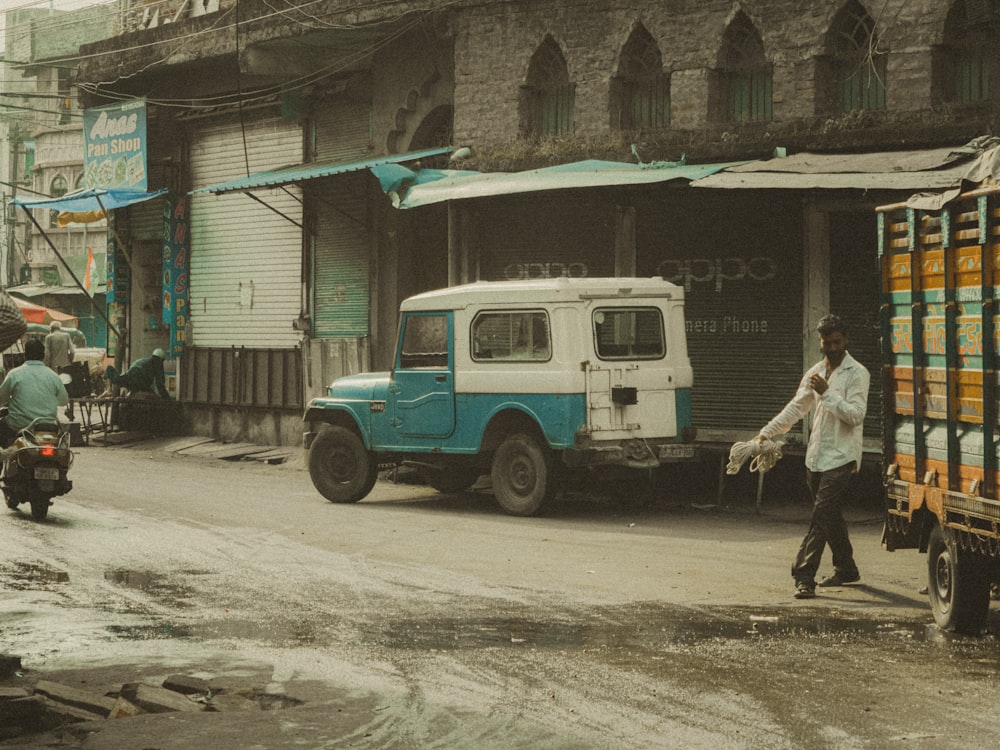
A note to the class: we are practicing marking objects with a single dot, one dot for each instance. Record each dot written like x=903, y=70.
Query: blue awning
x=302, y=172
x=89, y=200
x=577, y=175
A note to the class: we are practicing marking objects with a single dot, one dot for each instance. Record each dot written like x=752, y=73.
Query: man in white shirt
x=836, y=391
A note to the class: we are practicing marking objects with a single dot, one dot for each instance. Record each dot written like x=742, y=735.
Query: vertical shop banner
x=114, y=154
x=119, y=281
x=175, y=272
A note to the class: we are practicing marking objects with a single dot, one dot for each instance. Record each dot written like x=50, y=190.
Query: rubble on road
x=29, y=707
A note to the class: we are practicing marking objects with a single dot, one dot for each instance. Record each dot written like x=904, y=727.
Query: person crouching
x=144, y=376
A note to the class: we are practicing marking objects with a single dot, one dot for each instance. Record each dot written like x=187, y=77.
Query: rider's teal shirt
x=32, y=391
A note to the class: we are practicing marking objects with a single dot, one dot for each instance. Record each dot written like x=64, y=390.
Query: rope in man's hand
x=762, y=454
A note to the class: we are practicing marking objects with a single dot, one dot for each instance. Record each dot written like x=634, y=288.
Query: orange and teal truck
x=940, y=268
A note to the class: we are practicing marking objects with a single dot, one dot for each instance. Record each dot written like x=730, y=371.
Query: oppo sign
x=716, y=271
x=684, y=272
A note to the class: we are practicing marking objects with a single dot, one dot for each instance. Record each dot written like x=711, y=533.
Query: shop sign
x=176, y=226
x=114, y=137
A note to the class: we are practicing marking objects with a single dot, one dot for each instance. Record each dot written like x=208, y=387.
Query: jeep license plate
x=676, y=451
x=46, y=472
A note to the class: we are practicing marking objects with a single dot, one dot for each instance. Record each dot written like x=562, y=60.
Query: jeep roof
x=541, y=290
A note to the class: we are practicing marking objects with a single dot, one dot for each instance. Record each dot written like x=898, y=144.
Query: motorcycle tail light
x=47, y=451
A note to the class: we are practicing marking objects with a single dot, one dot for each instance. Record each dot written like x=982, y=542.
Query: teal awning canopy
x=445, y=186
x=303, y=172
x=91, y=199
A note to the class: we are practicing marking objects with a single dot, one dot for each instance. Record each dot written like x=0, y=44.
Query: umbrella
x=44, y=315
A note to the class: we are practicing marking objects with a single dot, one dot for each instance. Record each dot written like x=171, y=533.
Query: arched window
x=859, y=65
x=969, y=59
x=547, y=98
x=747, y=77
x=57, y=189
x=434, y=130
x=640, y=95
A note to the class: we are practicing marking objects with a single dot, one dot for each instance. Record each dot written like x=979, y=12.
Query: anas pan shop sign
x=114, y=139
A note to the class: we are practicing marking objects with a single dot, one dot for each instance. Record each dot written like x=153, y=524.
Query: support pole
x=73, y=275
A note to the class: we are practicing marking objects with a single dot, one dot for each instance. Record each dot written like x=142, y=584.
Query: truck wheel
x=340, y=466
x=958, y=584
x=521, y=476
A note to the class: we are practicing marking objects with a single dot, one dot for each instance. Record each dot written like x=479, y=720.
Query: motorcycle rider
x=31, y=392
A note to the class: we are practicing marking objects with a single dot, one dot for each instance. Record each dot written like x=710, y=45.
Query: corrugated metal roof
x=93, y=199
x=577, y=175
x=312, y=171
x=930, y=169
x=40, y=290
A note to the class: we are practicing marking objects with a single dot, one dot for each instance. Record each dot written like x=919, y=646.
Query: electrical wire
x=254, y=95
x=228, y=18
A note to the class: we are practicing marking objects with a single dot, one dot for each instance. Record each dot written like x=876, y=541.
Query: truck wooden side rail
x=940, y=270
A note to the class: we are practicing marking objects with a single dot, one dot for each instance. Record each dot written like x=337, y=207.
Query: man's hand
x=818, y=383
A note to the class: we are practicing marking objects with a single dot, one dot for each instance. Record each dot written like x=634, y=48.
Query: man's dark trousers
x=829, y=491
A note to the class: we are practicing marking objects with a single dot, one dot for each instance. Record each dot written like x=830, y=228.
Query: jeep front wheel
x=340, y=466
x=521, y=475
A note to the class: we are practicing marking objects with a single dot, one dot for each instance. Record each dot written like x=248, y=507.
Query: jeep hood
x=361, y=386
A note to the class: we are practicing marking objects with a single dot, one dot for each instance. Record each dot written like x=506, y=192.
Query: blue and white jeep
x=516, y=379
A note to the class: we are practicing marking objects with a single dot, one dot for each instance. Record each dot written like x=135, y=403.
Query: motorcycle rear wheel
x=40, y=509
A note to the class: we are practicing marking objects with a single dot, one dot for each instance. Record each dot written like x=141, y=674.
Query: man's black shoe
x=804, y=590
x=838, y=580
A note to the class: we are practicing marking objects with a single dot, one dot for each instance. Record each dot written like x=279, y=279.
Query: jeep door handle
x=440, y=378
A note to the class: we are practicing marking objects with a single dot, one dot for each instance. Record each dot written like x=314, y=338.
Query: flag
x=90, y=271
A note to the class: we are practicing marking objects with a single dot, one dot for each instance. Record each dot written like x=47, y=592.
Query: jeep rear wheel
x=521, y=475
x=340, y=466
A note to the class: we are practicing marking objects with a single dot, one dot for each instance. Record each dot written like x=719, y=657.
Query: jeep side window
x=425, y=342
x=514, y=335
x=629, y=333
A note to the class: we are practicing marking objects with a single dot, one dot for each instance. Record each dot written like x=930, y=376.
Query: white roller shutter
x=245, y=259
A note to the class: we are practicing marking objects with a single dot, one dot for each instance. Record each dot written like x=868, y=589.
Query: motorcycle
x=35, y=466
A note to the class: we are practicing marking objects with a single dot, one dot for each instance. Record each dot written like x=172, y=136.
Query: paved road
x=413, y=619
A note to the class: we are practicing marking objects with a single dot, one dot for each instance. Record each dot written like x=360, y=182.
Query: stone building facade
x=523, y=85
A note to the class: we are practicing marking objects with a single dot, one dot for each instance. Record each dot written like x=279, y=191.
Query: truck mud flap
x=901, y=532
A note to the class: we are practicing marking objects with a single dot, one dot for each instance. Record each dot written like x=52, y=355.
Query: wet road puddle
x=158, y=585
x=29, y=576
x=647, y=626
x=156, y=631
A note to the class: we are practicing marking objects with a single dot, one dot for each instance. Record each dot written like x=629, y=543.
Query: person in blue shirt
x=145, y=375
x=31, y=392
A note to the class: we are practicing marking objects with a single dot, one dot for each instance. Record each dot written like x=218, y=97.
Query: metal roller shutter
x=341, y=266
x=545, y=236
x=854, y=295
x=145, y=220
x=246, y=260
x=342, y=131
x=341, y=271
x=740, y=262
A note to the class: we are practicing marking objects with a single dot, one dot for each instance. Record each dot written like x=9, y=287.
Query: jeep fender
x=316, y=417
x=507, y=419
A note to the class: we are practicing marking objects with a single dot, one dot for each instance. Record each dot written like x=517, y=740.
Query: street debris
x=29, y=707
